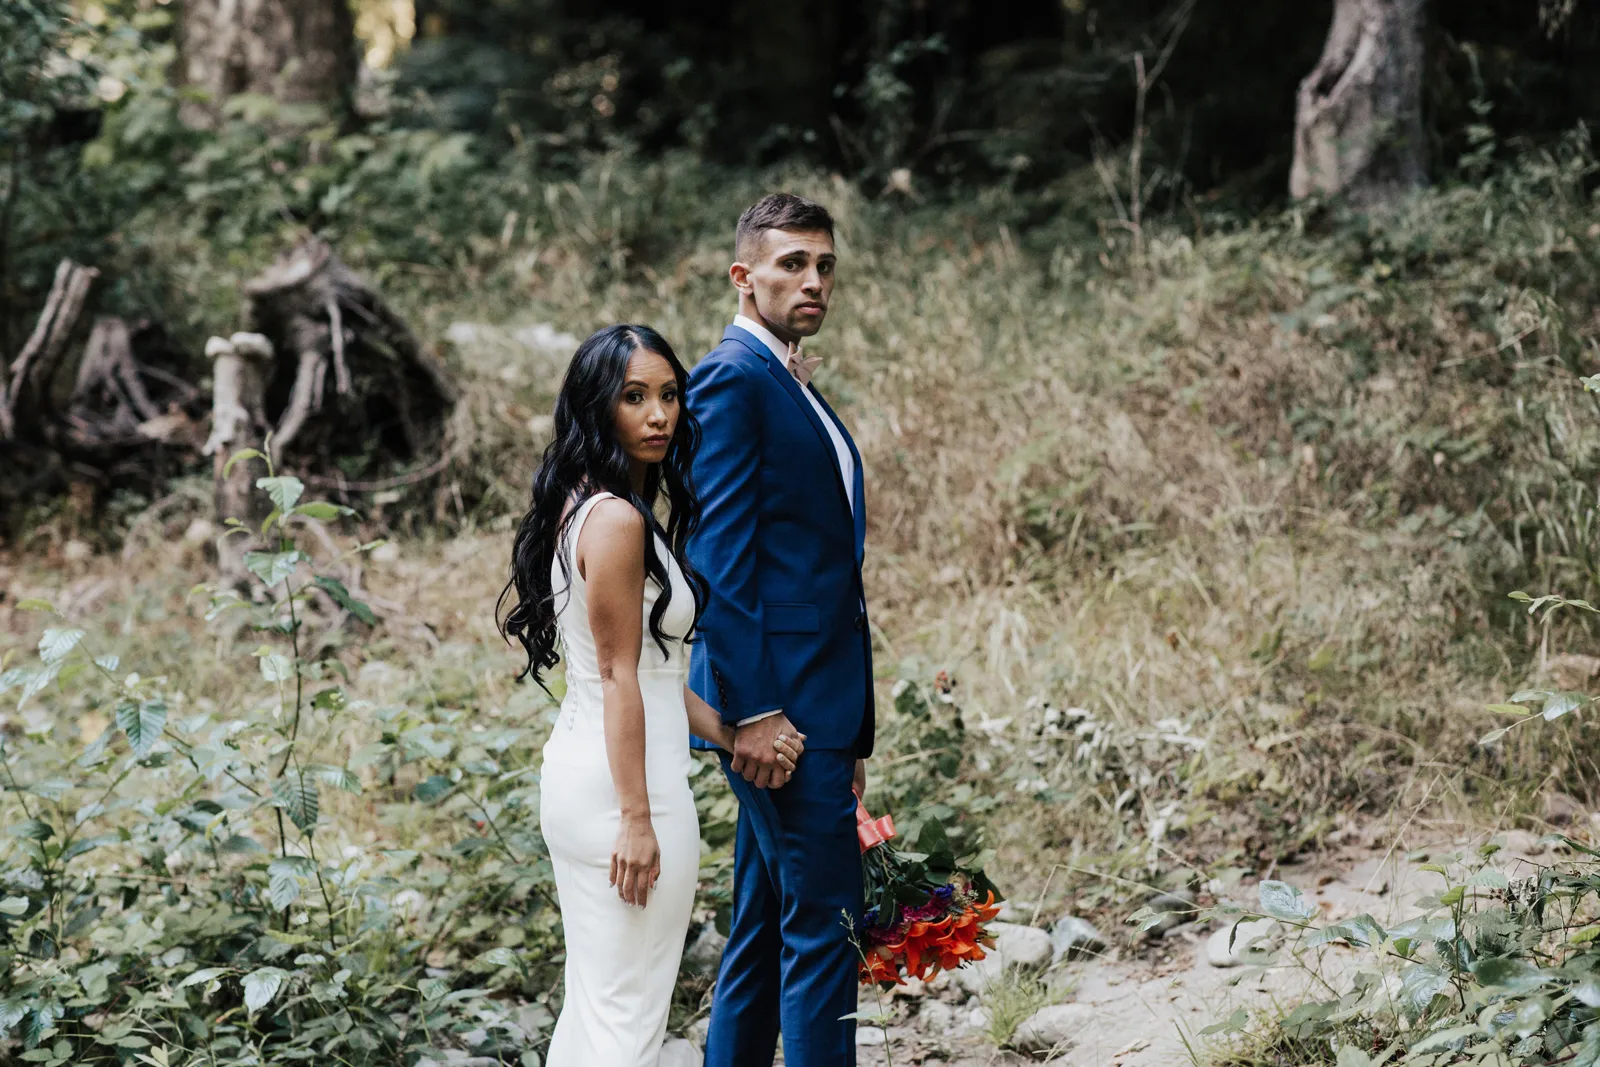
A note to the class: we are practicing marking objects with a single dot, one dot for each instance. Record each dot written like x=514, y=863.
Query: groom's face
x=790, y=276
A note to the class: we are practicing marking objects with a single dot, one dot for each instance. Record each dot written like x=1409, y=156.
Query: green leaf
x=341, y=596
x=285, y=490
x=1419, y=985
x=322, y=510
x=1233, y=1024
x=273, y=567
x=242, y=454
x=1494, y=735
x=241, y=844
x=331, y=699
x=1559, y=704
x=1488, y=878
x=432, y=788
x=260, y=986
x=433, y=988
x=1448, y=1038
x=33, y=603
x=1350, y=1056
x=204, y=974
x=1453, y=896
x=38, y=681
x=290, y=939
x=142, y=721
x=1506, y=709
x=14, y=906
x=1283, y=901
x=276, y=667
x=58, y=642
x=31, y=830
x=1363, y=931
x=298, y=796
x=337, y=777
x=1589, y=1051
x=107, y=663
x=498, y=957
x=283, y=879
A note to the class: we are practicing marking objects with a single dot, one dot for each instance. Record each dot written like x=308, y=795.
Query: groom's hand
x=755, y=752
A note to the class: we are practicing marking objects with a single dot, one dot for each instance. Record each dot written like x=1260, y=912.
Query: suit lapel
x=787, y=382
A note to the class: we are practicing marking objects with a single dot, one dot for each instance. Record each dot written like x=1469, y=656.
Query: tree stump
x=1358, y=117
x=124, y=415
x=328, y=381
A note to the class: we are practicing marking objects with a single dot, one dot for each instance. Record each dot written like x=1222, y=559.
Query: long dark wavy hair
x=584, y=458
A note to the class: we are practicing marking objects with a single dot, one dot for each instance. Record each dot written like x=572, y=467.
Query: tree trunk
x=295, y=51
x=1358, y=121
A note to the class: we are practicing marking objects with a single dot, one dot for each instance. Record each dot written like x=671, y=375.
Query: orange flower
x=923, y=949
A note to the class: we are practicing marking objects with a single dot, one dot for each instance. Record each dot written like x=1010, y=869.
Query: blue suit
x=784, y=627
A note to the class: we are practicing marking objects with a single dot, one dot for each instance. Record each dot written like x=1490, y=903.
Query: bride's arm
x=611, y=560
x=707, y=725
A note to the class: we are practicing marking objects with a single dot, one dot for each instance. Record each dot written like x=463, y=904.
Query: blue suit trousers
x=790, y=961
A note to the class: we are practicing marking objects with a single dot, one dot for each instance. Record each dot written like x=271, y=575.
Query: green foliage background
x=1209, y=534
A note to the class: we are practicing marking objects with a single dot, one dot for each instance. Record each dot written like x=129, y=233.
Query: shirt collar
x=762, y=334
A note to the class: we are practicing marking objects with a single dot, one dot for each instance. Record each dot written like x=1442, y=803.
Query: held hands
x=635, y=860
x=766, y=751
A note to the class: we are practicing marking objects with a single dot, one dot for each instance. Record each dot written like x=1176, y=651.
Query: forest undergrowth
x=1184, y=554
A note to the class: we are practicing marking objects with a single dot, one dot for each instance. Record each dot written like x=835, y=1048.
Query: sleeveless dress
x=622, y=961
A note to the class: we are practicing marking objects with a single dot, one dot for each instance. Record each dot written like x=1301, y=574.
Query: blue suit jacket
x=785, y=624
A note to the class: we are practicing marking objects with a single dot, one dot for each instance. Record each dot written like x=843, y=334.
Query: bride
x=592, y=566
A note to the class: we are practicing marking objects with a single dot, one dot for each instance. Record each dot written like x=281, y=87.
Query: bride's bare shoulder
x=613, y=533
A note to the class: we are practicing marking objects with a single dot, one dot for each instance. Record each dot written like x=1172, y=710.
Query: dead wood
x=391, y=398
x=26, y=402
x=329, y=382
x=123, y=416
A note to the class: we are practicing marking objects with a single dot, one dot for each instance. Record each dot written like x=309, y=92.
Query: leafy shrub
x=1490, y=971
x=185, y=874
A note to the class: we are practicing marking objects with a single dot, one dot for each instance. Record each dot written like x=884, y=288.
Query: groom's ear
x=739, y=274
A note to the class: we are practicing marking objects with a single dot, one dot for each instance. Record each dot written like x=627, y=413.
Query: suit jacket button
x=860, y=622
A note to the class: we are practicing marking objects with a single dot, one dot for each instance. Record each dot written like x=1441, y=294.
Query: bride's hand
x=790, y=748
x=635, y=860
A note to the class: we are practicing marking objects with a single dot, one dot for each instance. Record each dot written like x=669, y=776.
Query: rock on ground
x=679, y=1053
x=1174, y=908
x=1022, y=948
x=1071, y=937
x=704, y=954
x=1249, y=942
x=1055, y=1028
x=936, y=1017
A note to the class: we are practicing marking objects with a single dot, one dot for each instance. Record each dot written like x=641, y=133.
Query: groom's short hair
x=778, y=211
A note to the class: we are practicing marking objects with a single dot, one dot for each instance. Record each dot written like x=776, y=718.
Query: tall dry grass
x=1213, y=543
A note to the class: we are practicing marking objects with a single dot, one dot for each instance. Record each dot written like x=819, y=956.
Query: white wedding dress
x=622, y=961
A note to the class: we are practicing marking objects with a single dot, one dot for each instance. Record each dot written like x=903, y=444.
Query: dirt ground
x=1148, y=1012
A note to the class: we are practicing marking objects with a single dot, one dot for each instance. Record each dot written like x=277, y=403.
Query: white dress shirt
x=847, y=464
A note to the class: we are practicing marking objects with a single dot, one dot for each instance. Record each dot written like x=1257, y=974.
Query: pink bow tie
x=800, y=365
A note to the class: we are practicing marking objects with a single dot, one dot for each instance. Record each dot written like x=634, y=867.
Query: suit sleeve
x=727, y=474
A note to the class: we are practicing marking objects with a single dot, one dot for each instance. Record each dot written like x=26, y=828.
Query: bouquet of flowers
x=925, y=912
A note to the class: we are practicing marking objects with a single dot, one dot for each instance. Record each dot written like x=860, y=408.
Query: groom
x=783, y=647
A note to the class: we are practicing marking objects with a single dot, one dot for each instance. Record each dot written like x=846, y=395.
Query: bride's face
x=647, y=412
